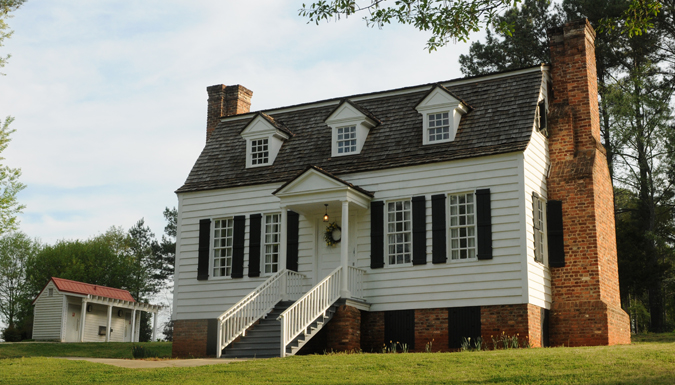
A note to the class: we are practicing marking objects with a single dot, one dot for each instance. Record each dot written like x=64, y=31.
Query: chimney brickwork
x=586, y=307
x=226, y=101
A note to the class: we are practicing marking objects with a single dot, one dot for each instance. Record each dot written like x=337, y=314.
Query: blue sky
x=110, y=102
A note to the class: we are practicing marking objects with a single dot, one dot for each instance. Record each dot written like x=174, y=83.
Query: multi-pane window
x=439, y=127
x=538, y=216
x=399, y=232
x=222, y=247
x=462, y=226
x=271, y=243
x=259, y=151
x=346, y=139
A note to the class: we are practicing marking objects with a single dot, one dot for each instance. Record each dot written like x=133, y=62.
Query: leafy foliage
x=9, y=184
x=455, y=20
x=6, y=8
x=15, y=250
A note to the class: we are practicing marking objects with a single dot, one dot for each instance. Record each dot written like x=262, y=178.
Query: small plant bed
x=88, y=349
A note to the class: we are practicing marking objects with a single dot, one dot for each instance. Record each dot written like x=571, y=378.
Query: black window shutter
x=439, y=229
x=376, y=235
x=238, y=246
x=463, y=322
x=556, y=246
x=484, y=223
x=293, y=224
x=399, y=326
x=254, y=246
x=419, y=230
x=204, y=249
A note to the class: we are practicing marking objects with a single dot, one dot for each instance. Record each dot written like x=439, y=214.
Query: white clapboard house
x=413, y=214
x=59, y=314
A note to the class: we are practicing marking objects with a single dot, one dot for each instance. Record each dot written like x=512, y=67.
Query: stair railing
x=356, y=281
x=285, y=284
x=297, y=318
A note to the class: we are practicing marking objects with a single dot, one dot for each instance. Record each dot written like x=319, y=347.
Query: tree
x=166, y=248
x=6, y=8
x=455, y=20
x=15, y=249
x=9, y=184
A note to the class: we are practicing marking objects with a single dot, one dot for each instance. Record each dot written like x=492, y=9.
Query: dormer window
x=264, y=137
x=259, y=152
x=350, y=125
x=439, y=127
x=346, y=139
x=442, y=111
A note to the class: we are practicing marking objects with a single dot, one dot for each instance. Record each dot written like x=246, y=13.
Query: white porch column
x=133, y=325
x=154, y=326
x=283, y=246
x=83, y=315
x=107, y=332
x=344, y=251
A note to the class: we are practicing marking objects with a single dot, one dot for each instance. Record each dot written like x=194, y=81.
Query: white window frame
x=50, y=292
x=250, y=152
x=212, y=265
x=449, y=126
x=459, y=227
x=264, y=243
x=403, y=232
x=539, y=229
x=353, y=138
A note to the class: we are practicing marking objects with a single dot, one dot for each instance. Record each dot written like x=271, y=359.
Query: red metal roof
x=87, y=288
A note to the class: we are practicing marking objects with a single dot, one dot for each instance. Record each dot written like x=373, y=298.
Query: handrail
x=356, y=281
x=297, y=318
x=257, y=304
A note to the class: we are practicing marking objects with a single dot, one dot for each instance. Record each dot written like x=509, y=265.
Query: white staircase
x=253, y=320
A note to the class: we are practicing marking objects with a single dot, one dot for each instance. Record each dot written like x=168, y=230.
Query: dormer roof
x=502, y=112
x=263, y=123
x=440, y=95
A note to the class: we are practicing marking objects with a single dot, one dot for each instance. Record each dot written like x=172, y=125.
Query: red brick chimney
x=226, y=101
x=586, y=307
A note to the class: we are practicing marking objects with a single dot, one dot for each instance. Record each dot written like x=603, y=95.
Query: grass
x=89, y=349
x=650, y=361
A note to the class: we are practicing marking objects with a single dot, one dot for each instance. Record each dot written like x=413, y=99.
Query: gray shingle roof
x=500, y=122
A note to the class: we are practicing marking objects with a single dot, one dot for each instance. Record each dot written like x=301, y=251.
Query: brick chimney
x=226, y=101
x=586, y=307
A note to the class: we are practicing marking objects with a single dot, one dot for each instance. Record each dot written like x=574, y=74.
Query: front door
x=328, y=257
x=73, y=323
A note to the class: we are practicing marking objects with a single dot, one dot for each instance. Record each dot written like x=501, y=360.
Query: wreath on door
x=328, y=235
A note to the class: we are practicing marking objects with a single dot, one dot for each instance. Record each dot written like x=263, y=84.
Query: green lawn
x=639, y=363
x=89, y=349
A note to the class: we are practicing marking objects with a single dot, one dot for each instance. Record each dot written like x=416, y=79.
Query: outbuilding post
x=133, y=325
x=83, y=315
x=107, y=332
x=154, y=326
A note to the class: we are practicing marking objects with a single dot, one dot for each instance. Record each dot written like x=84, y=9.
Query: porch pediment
x=315, y=185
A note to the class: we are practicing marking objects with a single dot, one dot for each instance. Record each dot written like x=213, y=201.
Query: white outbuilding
x=71, y=311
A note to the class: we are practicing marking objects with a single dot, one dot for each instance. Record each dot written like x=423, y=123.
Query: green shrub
x=139, y=351
x=10, y=334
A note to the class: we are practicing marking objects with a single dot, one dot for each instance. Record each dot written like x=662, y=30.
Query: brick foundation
x=521, y=320
x=431, y=325
x=344, y=330
x=190, y=338
x=586, y=307
x=372, y=331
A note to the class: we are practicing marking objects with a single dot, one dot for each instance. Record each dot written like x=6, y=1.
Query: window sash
x=346, y=140
x=439, y=127
x=223, y=239
x=539, y=226
x=399, y=232
x=259, y=151
x=271, y=243
x=462, y=226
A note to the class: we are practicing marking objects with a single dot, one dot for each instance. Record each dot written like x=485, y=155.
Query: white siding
x=48, y=315
x=536, y=162
x=98, y=316
x=502, y=280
